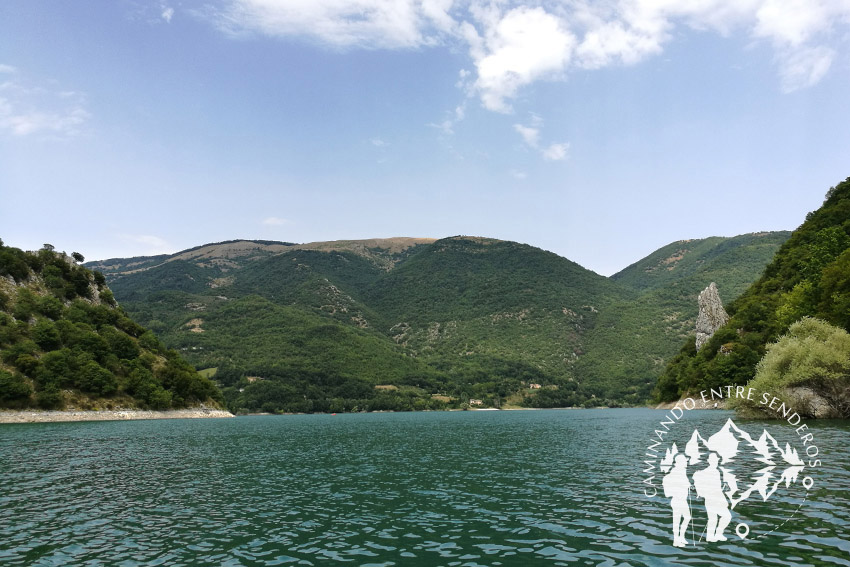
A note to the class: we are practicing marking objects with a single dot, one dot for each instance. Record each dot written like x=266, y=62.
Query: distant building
x=535, y=386
x=474, y=402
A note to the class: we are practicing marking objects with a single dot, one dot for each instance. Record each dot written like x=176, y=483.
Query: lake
x=439, y=488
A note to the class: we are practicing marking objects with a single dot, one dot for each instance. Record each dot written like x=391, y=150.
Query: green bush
x=50, y=397
x=96, y=379
x=49, y=306
x=13, y=387
x=46, y=336
x=813, y=355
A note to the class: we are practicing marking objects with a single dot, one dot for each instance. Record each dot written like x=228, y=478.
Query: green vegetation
x=809, y=276
x=813, y=356
x=633, y=339
x=64, y=341
x=417, y=324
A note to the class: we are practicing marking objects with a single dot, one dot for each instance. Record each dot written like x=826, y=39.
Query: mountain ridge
x=484, y=318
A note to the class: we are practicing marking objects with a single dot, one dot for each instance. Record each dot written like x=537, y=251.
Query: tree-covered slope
x=732, y=261
x=809, y=276
x=633, y=340
x=449, y=320
x=468, y=305
x=466, y=317
x=64, y=341
x=302, y=361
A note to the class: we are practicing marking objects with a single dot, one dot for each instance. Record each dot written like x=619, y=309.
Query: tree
x=46, y=336
x=813, y=356
x=13, y=387
x=96, y=379
x=79, y=258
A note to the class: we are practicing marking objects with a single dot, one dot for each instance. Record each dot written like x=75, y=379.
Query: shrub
x=813, y=355
x=13, y=387
x=46, y=336
x=96, y=379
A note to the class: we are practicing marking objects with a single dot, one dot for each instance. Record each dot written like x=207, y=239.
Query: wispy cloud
x=274, y=221
x=556, y=152
x=27, y=109
x=802, y=68
x=447, y=126
x=370, y=24
x=513, y=44
x=531, y=137
x=7, y=68
x=167, y=13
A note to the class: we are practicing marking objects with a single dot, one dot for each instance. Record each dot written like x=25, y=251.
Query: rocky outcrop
x=711, y=316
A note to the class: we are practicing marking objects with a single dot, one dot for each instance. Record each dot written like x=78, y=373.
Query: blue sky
x=598, y=130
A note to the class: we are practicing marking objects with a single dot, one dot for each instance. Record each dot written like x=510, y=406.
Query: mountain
x=408, y=323
x=808, y=276
x=65, y=342
x=691, y=263
x=634, y=339
x=414, y=322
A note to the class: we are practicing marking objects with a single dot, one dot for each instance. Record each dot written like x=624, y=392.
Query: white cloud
x=447, y=126
x=343, y=23
x=274, y=221
x=7, y=68
x=23, y=124
x=27, y=110
x=378, y=143
x=517, y=48
x=167, y=13
x=805, y=67
x=530, y=135
x=513, y=44
x=794, y=22
x=556, y=152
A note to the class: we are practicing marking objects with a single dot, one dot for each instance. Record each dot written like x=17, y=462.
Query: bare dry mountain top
x=236, y=253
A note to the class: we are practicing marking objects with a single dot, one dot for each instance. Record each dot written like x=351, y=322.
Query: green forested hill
x=414, y=323
x=809, y=276
x=634, y=339
x=692, y=262
x=65, y=342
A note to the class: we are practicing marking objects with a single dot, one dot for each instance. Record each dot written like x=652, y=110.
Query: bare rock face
x=711, y=316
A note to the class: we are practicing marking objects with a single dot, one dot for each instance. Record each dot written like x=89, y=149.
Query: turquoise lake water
x=438, y=488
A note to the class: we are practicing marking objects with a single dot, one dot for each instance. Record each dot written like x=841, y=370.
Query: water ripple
x=453, y=489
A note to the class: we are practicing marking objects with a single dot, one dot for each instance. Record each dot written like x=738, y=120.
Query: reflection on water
x=455, y=489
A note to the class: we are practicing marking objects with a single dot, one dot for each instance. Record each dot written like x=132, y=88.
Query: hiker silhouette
x=708, y=484
x=676, y=487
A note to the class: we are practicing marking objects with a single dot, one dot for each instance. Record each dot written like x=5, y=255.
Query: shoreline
x=51, y=416
x=60, y=416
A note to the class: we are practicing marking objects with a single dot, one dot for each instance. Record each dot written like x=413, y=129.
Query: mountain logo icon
x=723, y=471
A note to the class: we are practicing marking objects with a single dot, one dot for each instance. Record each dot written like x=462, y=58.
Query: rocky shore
x=40, y=416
